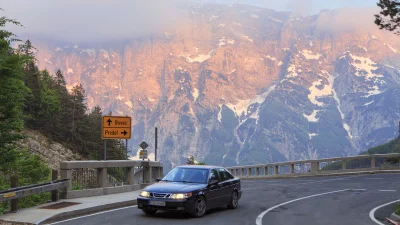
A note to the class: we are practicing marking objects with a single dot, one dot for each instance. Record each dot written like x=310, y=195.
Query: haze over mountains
x=243, y=85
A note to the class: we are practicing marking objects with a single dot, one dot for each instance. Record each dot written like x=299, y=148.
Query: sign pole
x=126, y=141
x=155, y=150
x=105, y=150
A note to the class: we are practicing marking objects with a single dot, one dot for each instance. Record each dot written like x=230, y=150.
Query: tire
x=149, y=211
x=234, y=200
x=199, y=207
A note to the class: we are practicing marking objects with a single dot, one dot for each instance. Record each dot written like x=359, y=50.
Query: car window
x=213, y=175
x=224, y=175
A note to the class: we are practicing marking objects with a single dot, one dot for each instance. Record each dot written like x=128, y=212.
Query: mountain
x=243, y=85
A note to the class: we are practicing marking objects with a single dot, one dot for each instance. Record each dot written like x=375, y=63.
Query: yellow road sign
x=8, y=195
x=116, y=127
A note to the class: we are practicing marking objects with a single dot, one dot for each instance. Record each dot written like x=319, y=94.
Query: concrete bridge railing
x=318, y=167
x=94, y=178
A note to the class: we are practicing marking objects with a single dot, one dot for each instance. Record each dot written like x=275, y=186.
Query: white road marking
x=259, y=217
x=376, y=178
x=93, y=214
x=387, y=190
x=358, y=189
x=320, y=181
x=372, y=212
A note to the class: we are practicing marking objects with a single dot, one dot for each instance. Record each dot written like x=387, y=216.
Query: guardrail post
x=66, y=174
x=291, y=168
x=14, y=202
x=249, y=172
x=131, y=175
x=344, y=165
x=257, y=171
x=314, y=166
x=102, y=177
x=54, y=194
x=373, y=157
x=276, y=170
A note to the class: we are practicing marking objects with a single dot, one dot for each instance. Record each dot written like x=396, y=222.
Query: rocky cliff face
x=49, y=151
x=243, y=85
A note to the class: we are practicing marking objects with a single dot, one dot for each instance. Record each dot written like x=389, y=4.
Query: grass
x=397, y=209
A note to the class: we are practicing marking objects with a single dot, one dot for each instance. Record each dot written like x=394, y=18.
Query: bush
x=30, y=170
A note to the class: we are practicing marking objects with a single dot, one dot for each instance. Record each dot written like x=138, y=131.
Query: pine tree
x=389, y=17
x=12, y=96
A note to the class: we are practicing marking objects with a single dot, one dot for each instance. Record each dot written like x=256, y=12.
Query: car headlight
x=145, y=194
x=181, y=195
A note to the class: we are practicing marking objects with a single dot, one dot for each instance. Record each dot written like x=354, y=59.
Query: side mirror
x=213, y=182
x=158, y=179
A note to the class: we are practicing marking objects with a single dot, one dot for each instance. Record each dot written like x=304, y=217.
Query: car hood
x=174, y=187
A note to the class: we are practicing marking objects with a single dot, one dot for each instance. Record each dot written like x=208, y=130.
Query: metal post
x=54, y=194
x=155, y=150
x=105, y=150
x=14, y=202
x=126, y=145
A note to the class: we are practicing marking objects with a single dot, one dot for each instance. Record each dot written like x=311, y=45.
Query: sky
x=87, y=20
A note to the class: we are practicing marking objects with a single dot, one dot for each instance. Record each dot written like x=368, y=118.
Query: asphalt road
x=324, y=200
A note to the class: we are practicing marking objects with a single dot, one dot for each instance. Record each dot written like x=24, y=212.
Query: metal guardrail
x=318, y=166
x=23, y=191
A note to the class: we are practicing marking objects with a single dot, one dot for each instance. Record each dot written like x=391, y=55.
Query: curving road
x=344, y=200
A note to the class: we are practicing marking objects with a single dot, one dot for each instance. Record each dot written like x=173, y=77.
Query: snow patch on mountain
x=90, y=52
x=242, y=105
x=310, y=55
x=316, y=92
x=271, y=58
x=248, y=38
x=105, y=53
x=313, y=117
x=129, y=104
x=221, y=25
x=200, y=58
x=391, y=48
x=69, y=70
x=254, y=16
x=311, y=135
x=345, y=125
x=365, y=67
x=374, y=91
x=276, y=20
x=58, y=49
x=291, y=71
x=231, y=41
x=119, y=97
x=213, y=18
x=368, y=103
x=48, y=61
x=195, y=93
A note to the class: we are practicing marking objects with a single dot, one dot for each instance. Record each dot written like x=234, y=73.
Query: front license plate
x=157, y=203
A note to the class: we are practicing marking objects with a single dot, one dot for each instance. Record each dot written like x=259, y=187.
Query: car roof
x=199, y=166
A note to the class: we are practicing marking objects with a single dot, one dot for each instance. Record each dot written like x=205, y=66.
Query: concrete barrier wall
x=328, y=166
x=149, y=169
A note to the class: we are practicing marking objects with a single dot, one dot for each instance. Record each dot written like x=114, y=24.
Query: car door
x=226, y=186
x=213, y=196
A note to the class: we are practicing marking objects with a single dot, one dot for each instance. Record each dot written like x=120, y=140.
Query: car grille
x=161, y=195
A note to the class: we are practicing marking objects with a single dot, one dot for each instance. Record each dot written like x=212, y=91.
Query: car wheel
x=149, y=211
x=234, y=200
x=200, y=207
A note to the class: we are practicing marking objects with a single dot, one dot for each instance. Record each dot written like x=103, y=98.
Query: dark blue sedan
x=192, y=189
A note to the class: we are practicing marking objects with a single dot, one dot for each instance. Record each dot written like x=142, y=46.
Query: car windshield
x=189, y=175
